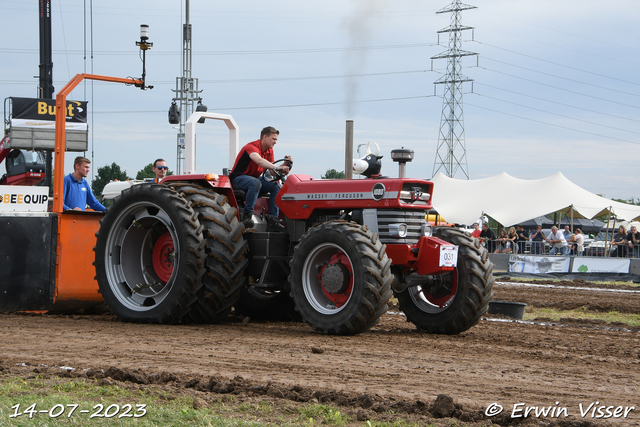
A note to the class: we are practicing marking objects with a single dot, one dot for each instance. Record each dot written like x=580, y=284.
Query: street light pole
x=187, y=92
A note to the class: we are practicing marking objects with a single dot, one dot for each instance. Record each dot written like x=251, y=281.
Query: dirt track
x=392, y=366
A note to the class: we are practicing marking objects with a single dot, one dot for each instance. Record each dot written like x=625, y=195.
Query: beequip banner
x=18, y=198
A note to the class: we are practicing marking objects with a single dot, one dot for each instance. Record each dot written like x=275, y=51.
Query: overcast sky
x=556, y=86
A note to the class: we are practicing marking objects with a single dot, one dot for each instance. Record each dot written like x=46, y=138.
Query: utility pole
x=451, y=154
x=187, y=92
x=45, y=86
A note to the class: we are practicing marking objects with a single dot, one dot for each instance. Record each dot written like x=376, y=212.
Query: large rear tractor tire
x=466, y=293
x=148, y=255
x=340, y=278
x=225, y=252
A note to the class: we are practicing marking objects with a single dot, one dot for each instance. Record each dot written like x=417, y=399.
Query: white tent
x=512, y=200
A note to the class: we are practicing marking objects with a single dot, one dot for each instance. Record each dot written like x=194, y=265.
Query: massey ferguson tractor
x=176, y=252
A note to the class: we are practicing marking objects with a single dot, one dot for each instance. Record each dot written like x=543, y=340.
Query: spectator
x=487, y=237
x=502, y=243
x=633, y=238
x=571, y=244
x=619, y=243
x=578, y=242
x=537, y=241
x=557, y=240
x=523, y=238
x=77, y=193
x=510, y=244
x=160, y=168
x=476, y=230
x=566, y=233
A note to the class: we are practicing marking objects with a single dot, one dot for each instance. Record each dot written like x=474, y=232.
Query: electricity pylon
x=452, y=151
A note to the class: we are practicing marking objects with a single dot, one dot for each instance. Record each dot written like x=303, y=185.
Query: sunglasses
x=162, y=167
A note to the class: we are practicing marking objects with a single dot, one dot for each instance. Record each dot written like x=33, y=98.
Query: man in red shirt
x=247, y=171
x=476, y=230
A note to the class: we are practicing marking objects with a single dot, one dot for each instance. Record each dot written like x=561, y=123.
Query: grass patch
x=325, y=414
x=631, y=319
x=617, y=283
x=21, y=401
x=58, y=396
x=399, y=423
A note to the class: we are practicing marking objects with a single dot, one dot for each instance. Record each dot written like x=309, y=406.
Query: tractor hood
x=301, y=194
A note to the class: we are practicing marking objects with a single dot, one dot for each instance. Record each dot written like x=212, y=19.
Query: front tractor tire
x=148, y=255
x=464, y=297
x=340, y=278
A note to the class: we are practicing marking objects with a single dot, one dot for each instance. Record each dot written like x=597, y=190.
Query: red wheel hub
x=336, y=279
x=442, y=300
x=163, y=257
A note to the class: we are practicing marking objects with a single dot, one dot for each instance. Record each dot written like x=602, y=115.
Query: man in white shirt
x=558, y=241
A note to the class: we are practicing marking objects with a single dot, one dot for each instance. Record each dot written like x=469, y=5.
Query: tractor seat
x=240, y=195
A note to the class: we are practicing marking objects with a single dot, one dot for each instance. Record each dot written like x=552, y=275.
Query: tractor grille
x=414, y=219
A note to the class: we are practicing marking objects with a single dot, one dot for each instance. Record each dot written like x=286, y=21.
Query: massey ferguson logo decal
x=378, y=192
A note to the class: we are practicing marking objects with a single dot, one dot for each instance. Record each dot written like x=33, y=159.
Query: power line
x=560, y=88
x=262, y=107
x=242, y=52
x=556, y=114
x=268, y=79
x=334, y=76
x=553, y=124
x=566, y=78
x=559, y=103
x=555, y=29
x=559, y=65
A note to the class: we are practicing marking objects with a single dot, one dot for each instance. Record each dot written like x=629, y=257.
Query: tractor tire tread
x=370, y=301
x=225, y=249
x=475, y=285
x=175, y=306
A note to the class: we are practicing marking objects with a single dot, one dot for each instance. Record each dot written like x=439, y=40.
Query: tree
x=631, y=201
x=332, y=174
x=147, y=172
x=104, y=175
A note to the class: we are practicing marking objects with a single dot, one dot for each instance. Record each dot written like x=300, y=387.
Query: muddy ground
x=391, y=372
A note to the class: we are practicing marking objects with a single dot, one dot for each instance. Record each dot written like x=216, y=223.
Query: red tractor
x=177, y=252
x=23, y=167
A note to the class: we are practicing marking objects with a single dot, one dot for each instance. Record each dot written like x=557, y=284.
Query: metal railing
x=597, y=248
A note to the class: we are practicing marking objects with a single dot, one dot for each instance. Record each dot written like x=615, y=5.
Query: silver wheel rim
x=418, y=298
x=129, y=256
x=313, y=291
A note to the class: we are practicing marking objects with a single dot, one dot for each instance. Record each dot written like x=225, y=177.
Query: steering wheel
x=273, y=175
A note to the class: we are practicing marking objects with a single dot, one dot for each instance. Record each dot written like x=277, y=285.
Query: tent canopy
x=512, y=200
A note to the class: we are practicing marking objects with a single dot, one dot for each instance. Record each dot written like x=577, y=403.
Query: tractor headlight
x=398, y=230
x=426, y=229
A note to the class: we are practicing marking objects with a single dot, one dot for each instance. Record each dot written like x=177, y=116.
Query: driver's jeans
x=254, y=187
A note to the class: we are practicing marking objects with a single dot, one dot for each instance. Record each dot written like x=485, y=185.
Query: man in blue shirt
x=77, y=193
